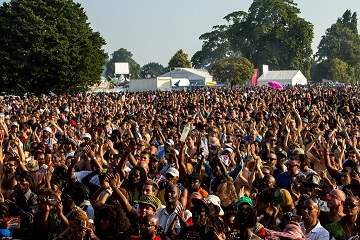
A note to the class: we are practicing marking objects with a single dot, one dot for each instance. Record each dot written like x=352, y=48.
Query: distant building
x=284, y=77
x=196, y=77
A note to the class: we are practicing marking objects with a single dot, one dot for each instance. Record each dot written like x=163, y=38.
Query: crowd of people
x=244, y=163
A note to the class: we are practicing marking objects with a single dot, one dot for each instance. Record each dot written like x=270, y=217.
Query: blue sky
x=154, y=30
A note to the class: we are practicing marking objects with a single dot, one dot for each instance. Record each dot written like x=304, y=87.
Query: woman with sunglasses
x=346, y=227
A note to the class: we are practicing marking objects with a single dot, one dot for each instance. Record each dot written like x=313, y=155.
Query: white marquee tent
x=285, y=77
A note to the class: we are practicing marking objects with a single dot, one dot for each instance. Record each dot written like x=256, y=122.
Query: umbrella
x=275, y=85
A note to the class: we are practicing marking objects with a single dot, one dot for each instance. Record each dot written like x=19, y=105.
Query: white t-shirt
x=80, y=175
x=317, y=233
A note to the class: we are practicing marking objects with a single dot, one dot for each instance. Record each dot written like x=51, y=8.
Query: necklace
x=347, y=228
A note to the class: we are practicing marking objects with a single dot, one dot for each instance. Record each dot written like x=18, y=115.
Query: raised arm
x=181, y=160
x=113, y=182
x=331, y=169
x=121, y=166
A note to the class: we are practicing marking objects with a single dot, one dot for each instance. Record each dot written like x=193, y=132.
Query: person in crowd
x=200, y=228
x=194, y=185
x=284, y=179
x=266, y=209
x=149, y=227
x=310, y=225
x=245, y=220
x=23, y=202
x=228, y=197
x=79, y=227
x=111, y=222
x=46, y=221
x=172, y=177
x=335, y=203
x=168, y=215
x=8, y=178
x=346, y=226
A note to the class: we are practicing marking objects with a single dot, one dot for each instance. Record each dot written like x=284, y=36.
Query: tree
x=180, y=59
x=215, y=47
x=340, y=45
x=236, y=70
x=271, y=33
x=48, y=46
x=123, y=55
x=153, y=69
x=340, y=71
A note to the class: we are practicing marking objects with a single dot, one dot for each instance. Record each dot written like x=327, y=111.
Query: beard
x=8, y=170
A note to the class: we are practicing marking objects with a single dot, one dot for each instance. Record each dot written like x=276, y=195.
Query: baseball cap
x=47, y=129
x=195, y=176
x=155, y=158
x=305, y=120
x=170, y=142
x=173, y=171
x=244, y=200
x=72, y=122
x=14, y=124
x=85, y=135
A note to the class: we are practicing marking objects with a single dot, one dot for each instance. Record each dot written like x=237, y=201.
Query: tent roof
x=200, y=72
x=278, y=75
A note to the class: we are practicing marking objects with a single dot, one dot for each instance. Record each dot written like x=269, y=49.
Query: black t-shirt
x=231, y=208
x=324, y=218
x=197, y=233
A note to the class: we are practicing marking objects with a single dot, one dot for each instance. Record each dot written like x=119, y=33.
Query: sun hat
x=151, y=200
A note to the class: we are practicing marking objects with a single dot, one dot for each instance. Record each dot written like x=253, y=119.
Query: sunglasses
x=194, y=180
x=350, y=205
x=291, y=166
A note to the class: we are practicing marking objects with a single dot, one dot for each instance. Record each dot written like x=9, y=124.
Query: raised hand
x=105, y=183
x=89, y=151
x=47, y=176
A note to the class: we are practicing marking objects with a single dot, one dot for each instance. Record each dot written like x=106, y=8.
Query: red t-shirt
x=140, y=238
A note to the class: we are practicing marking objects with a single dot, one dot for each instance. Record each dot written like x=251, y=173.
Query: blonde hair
x=77, y=216
x=288, y=203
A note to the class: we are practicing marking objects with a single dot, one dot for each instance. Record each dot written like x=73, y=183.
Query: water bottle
x=185, y=132
x=204, y=145
x=137, y=130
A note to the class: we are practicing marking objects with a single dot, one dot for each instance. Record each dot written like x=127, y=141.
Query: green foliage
x=236, y=70
x=215, y=47
x=153, y=69
x=271, y=33
x=340, y=71
x=340, y=45
x=180, y=59
x=48, y=46
x=123, y=55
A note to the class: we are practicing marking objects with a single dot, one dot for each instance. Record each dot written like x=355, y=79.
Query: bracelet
x=109, y=191
x=327, y=153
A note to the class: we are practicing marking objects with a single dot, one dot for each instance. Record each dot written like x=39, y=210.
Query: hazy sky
x=154, y=30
